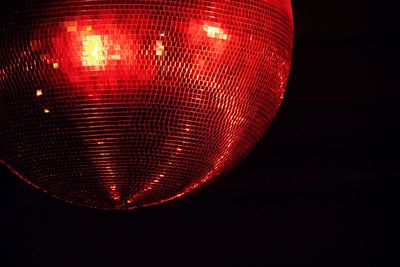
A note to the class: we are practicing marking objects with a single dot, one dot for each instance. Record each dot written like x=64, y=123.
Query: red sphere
x=117, y=104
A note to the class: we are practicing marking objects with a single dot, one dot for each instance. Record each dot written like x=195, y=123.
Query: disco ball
x=120, y=104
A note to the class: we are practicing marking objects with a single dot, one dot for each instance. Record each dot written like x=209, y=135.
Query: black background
x=319, y=190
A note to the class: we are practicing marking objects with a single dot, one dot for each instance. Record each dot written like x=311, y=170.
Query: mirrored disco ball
x=119, y=104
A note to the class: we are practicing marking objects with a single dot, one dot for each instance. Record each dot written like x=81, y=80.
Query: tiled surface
x=119, y=104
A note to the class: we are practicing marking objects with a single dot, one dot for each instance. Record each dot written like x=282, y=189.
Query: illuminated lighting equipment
x=119, y=104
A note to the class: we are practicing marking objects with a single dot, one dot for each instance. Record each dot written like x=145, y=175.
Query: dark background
x=319, y=190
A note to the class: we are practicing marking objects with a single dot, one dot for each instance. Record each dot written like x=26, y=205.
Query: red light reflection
x=118, y=104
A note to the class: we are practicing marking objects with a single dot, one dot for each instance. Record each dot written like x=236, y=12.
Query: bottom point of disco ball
x=117, y=106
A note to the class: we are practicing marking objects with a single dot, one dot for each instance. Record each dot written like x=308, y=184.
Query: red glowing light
x=115, y=104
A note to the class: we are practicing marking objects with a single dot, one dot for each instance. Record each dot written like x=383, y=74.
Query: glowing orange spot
x=71, y=29
x=94, y=53
x=159, y=48
x=215, y=32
